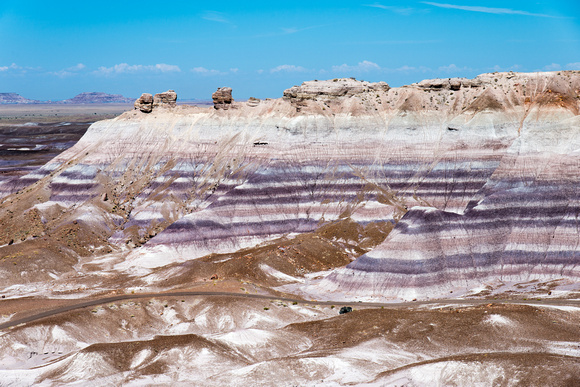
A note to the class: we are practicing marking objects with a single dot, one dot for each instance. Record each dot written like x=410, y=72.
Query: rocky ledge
x=332, y=89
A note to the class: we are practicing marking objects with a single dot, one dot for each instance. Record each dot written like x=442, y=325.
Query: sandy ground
x=31, y=135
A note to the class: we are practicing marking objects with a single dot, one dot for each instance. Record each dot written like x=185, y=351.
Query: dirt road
x=104, y=300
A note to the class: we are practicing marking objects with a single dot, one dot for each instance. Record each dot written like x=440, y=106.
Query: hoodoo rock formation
x=147, y=102
x=476, y=178
x=144, y=103
x=222, y=98
x=166, y=99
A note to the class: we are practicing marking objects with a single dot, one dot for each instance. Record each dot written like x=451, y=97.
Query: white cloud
x=165, y=68
x=573, y=66
x=214, y=16
x=496, y=11
x=69, y=71
x=291, y=30
x=410, y=69
x=124, y=68
x=399, y=10
x=288, y=68
x=499, y=68
x=208, y=72
x=363, y=66
x=406, y=68
x=77, y=67
x=552, y=67
x=452, y=68
x=13, y=66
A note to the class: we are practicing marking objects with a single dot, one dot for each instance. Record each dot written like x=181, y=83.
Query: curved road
x=105, y=300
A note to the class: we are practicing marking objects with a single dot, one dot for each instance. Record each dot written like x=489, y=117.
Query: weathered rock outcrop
x=253, y=102
x=222, y=98
x=448, y=84
x=166, y=99
x=144, y=103
x=332, y=89
x=147, y=102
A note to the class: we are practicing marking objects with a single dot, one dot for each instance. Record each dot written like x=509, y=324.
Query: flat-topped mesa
x=13, y=98
x=222, y=98
x=96, y=97
x=332, y=89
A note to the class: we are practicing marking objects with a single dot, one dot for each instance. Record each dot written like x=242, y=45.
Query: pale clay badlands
x=341, y=190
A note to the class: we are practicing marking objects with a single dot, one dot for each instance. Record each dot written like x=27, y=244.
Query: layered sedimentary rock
x=166, y=99
x=222, y=98
x=478, y=178
x=332, y=89
x=144, y=103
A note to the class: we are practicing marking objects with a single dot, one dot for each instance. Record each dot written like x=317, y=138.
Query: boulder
x=379, y=86
x=253, y=102
x=144, y=103
x=222, y=98
x=345, y=309
x=166, y=99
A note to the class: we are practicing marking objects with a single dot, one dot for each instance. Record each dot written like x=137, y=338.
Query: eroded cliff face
x=477, y=179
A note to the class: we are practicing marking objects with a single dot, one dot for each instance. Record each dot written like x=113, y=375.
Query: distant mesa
x=13, y=98
x=97, y=97
x=80, y=99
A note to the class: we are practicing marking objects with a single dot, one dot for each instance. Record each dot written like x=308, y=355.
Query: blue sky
x=57, y=49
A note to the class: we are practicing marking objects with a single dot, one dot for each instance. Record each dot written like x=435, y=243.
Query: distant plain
x=50, y=113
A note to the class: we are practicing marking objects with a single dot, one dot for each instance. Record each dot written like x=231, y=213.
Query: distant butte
x=80, y=99
x=96, y=97
x=13, y=98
